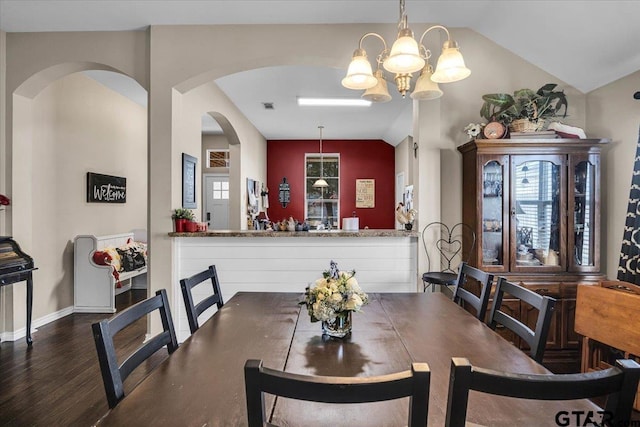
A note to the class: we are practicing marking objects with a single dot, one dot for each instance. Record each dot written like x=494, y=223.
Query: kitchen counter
x=288, y=261
x=312, y=233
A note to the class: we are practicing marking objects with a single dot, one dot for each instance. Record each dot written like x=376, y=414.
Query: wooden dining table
x=202, y=383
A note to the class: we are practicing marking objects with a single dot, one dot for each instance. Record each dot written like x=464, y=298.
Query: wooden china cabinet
x=535, y=207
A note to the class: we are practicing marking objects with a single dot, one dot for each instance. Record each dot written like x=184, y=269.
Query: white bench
x=94, y=285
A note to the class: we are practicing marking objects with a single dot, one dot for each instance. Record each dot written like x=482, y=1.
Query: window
x=218, y=158
x=221, y=190
x=322, y=205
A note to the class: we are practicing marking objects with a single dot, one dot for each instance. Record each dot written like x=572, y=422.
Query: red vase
x=180, y=224
x=191, y=227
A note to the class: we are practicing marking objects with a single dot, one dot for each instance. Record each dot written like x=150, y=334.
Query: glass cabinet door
x=582, y=222
x=537, y=213
x=493, y=240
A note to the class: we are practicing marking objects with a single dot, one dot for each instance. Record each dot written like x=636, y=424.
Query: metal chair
x=451, y=246
x=619, y=384
x=114, y=374
x=413, y=384
x=195, y=310
x=484, y=280
x=545, y=305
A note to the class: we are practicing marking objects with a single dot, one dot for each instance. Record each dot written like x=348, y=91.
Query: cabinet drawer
x=548, y=289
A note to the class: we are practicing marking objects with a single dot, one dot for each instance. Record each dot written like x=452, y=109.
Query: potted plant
x=181, y=217
x=525, y=110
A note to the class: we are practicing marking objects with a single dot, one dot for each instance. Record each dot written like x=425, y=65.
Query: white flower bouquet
x=335, y=294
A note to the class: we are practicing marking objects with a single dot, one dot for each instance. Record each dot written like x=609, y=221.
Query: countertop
x=322, y=233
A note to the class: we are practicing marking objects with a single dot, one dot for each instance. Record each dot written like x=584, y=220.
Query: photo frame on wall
x=189, y=181
x=106, y=188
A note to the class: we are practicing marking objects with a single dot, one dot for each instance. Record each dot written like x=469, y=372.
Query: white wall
x=81, y=126
x=613, y=113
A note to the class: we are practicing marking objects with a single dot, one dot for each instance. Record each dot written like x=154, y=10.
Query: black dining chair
x=537, y=339
x=412, y=383
x=195, y=310
x=113, y=373
x=483, y=279
x=619, y=384
x=451, y=246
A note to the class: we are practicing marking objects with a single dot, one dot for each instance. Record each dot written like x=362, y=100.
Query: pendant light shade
x=405, y=54
x=378, y=93
x=426, y=89
x=320, y=182
x=359, y=74
x=450, y=66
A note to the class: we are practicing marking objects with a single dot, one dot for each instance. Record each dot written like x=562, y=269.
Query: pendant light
x=320, y=182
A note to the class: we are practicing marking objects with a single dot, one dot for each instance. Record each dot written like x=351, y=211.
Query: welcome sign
x=106, y=188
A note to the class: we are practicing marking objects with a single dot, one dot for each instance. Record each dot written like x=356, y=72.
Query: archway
x=63, y=125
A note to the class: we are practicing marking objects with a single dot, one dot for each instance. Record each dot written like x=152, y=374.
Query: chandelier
x=405, y=58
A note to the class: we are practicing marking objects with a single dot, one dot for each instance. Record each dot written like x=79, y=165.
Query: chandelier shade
x=359, y=75
x=406, y=56
x=451, y=67
x=378, y=93
x=426, y=89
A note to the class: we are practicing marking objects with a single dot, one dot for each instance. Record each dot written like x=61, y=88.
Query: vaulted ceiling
x=584, y=43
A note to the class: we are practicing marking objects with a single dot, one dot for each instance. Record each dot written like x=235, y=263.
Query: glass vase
x=340, y=327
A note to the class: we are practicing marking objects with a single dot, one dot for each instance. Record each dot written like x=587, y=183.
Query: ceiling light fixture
x=320, y=182
x=406, y=57
x=333, y=102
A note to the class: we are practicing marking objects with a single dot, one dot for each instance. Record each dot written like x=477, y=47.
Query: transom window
x=218, y=158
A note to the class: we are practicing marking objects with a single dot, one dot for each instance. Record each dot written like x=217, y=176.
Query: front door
x=216, y=211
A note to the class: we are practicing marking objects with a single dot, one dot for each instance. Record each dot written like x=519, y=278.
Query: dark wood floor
x=57, y=382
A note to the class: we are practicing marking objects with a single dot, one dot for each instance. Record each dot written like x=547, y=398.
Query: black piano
x=16, y=266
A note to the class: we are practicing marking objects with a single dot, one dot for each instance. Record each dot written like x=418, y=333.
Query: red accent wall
x=359, y=159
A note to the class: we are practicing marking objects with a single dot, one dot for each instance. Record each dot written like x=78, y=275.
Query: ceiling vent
x=268, y=105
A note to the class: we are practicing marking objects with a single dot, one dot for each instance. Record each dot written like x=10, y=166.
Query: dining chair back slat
x=537, y=339
x=413, y=384
x=478, y=302
x=195, y=310
x=114, y=374
x=619, y=384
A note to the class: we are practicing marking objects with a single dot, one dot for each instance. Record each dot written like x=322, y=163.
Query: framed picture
x=189, y=181
x=106, y=188
x=365, y=193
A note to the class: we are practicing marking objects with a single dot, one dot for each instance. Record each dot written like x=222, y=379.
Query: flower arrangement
x=335, y=294
x=473, y=130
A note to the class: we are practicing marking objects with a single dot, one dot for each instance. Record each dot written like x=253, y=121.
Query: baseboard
x=41, y=321
x=94, y=310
